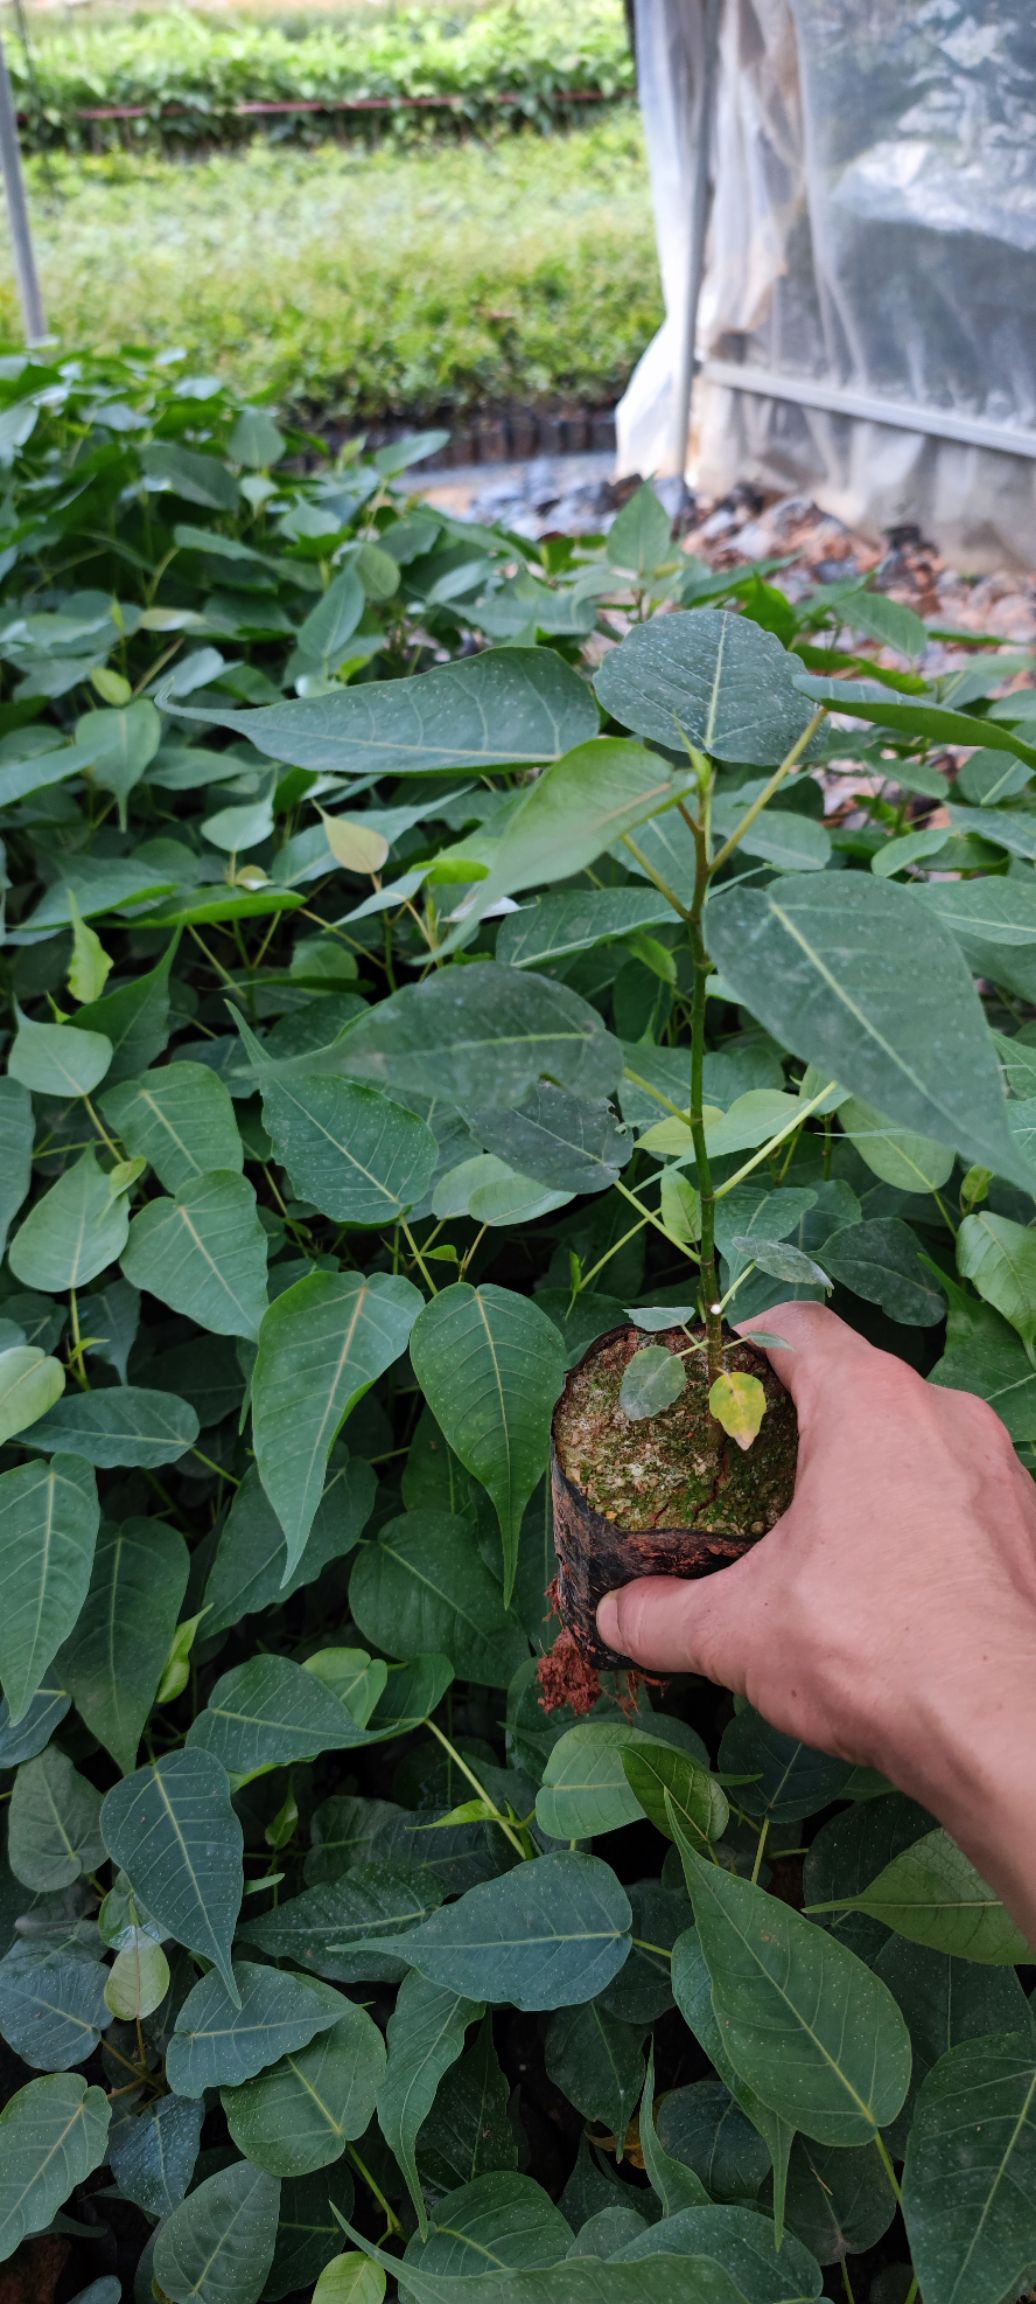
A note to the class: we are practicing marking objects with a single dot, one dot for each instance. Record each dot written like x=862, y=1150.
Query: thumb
x=708, y=1624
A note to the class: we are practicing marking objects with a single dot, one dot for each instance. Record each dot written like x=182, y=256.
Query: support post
x=34, y=319
x=683, y=377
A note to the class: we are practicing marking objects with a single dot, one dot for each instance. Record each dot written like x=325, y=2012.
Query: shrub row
x=186, y=79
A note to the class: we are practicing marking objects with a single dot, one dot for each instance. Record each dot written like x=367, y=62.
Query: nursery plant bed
x=666, y=1495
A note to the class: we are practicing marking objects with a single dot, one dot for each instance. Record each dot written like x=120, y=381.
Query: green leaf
x=58, y=1059
x=309, y=2233
x=268, y=1712
x=125, y=1424
x=969, y=2182
x=550, y=1934
x=424, y=1587
x=880, y=1261
x=173, y=1831
x=50, y=1519
x=640, y=536
x=585, y=1789
x=999, y=1257
x=120, y=745
x=114, y=1660
x=910, y=1162
x=840, y=2202
x=54, y=1831
x=350, y=2279
x=742, y=2244
x=849, y=974
x=558, y=1139
x=985, y=1356
x=883, y=619
x=704, y=2128
x=204, y=1254
x=153, y=2153
x=299, y=2115
x=329, y=627
x=74, y=1232
x=320, y=1928
x=53, y=2134
x=674, y=2186
x=667, y=1782
x=356, y=1154
x=217, y=2246
x=781, y=1778
x=481, y=1037
x=707, y=678
x=52, y=2004
x=90, y=965
x=509, y=708
x=250, y=1560
x=931, y=1894
x=598, y=2063
x=675, y=2279
x=503, y=2222
x=814, y=2033
x=321, y=1345
x=179, y=1119
x=221, y=2039
x=862, y=701
x=653, y=1379
x=555, y=927
x=692, y=1989
x=138, y=1980
x=573, y=812
x=256, y=441
x=473, y=2133
x=135, y=1016
x=44, y=1715
x=17, y=1128
x=491, y=1365
x=946, y=2001
x=30, y=1383
x=425, y=2036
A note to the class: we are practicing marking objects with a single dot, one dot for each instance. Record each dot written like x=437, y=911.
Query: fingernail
x=608, y=1620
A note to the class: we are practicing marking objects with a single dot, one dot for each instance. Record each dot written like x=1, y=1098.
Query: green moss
x=678, y=1469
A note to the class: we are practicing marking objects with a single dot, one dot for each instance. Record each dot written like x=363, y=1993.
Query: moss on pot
x=666, y=1495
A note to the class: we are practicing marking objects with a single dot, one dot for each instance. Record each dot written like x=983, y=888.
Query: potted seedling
x=674, y=1442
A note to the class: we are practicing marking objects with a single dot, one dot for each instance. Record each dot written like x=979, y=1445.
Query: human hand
x=890, y=1616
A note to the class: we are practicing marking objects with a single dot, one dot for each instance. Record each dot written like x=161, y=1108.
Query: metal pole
x=34, y=319
x=683, y=380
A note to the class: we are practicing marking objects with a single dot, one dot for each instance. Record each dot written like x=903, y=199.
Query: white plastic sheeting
x=871, y=260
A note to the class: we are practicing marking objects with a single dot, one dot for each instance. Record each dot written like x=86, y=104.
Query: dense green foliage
x=190, y=72
x=347, y=1097
x=363, y=282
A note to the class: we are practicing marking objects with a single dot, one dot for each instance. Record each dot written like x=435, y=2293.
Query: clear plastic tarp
x=870, y=260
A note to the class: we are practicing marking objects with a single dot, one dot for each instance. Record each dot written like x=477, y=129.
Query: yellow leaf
x=738, y=1402
x=354, y=845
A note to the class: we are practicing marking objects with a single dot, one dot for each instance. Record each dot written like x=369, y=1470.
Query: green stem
x=477, y=1786
x=650, y=1218
x=418, y=1258
x=764, y=1834
x=788, y=765
x=708, y=1294
x=395, y=2229
x=882, y=2151
x=656, y=878
x=914, y=2290
x=805, y=1112
x=102, y=1131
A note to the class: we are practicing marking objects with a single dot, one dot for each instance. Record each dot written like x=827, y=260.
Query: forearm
x=973, y=1765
